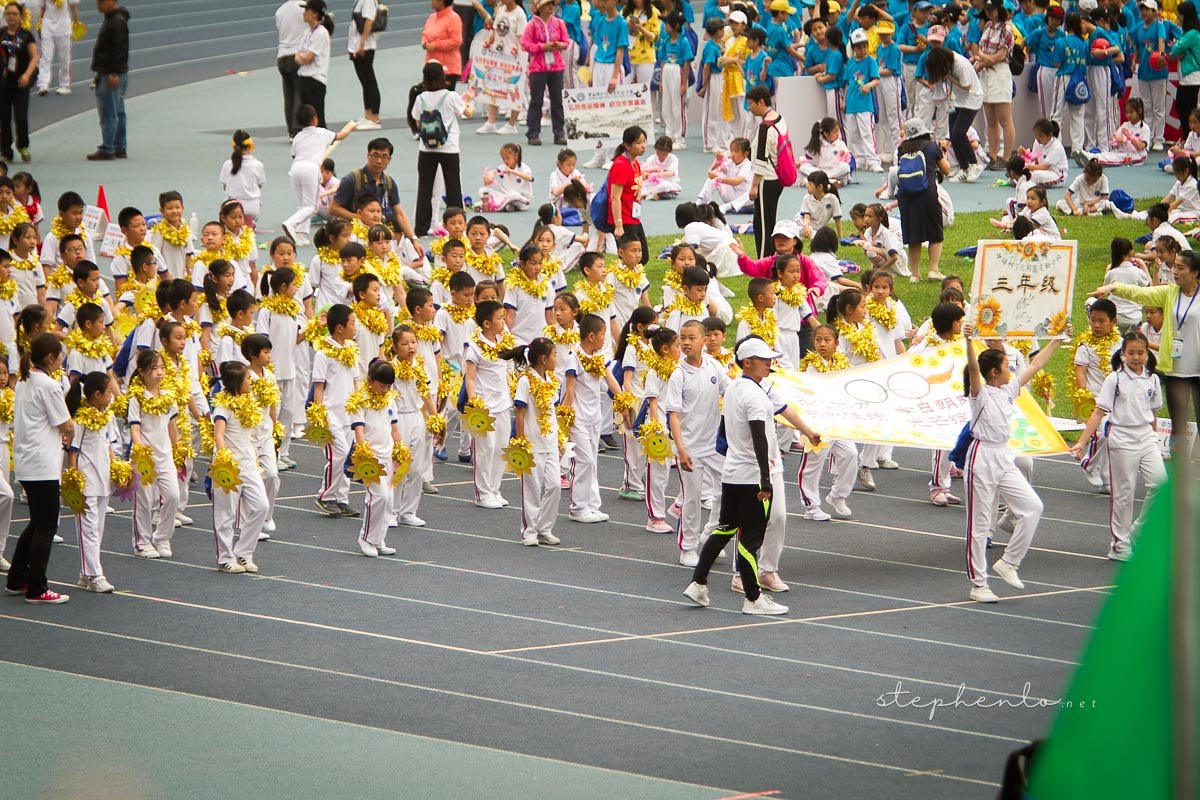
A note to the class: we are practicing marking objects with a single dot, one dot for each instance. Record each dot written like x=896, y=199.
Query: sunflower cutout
x=141, y=457
x=125, y=322
x=401, y=462
x=146, y=302
x=655, y=442
x=72, y=490
x=317, y=431
x=478, y=419
x=364, y=466
x=519, y=455
x=987, y=316
x=225, y=472
x=1058, y=324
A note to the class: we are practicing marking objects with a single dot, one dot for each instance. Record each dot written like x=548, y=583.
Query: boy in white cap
x=862, y=76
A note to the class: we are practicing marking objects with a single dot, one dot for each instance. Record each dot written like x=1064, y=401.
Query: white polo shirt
x=747, y=401
x=38, y=410
x=992, y=411
x=1131, y=402
x=695, y=394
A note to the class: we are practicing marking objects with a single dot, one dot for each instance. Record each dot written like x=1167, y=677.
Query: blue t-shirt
x=779, y=38
x=859, y=72
x=921, y=72
x=754, y=69
x=1073, y=54
x=676, y=52
x=888, y=56
x=1103, y=59
x=1145, y=39
x=609, y=35
x=907, y=36
x=712, y=10
x=572, y=17
x=954, y=41
x=1027, y=24
x=835, y=64
x=974, y=30
x=814, y=55
x=1044, y=47
x=709, y=54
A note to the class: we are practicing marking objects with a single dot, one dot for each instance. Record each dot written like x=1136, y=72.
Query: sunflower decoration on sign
x=1058, y=324
x=401, y=462
x=987, y=318
x=141, y=457
x=225, y=472
x=72, y=489
x=317, y=431
x=364, y=466
x=654, y=440
x=478, y=419
x=519, y=455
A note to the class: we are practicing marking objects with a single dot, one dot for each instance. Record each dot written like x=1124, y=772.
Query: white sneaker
x=146, y=552
x=232, y=568
x=63, y=90
x=269, y=526
x=865, y=479
x=248, y=565
x=1113, y=555
x=57, y=539
x=384, y=550
x=412, y=521
x=765, y=605
x=529, y=541
x=5, y=565
x=772, y=582
x=887, y=463
x=658, y=526
x=1007, y=573
x=393, y=521
x=1094, y=480
x=489, y=503
x=816, y=514
x=982, y=594
x=503, y=503
x=368, y=125
x=697, y=594
x=98, y=584
x=840, y=509
x=589, y=517
x=164, y=549
x=506, y=130
x=680, y=145
x=595, y=163
x=486, y=127
x=689, y=558
x=182, y=519
x=547, y=538
x=974, y=171
x=367, y=549
x=263, y=536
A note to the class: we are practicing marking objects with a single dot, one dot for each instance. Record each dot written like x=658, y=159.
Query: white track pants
x=991, y=472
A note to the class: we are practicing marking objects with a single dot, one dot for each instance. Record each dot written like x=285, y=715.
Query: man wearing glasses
x=374, y=180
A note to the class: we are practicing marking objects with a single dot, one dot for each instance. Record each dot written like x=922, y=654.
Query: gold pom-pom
x=141, y=457
x=208, y=440
x=120, y=406
x=121, y=473
x=72, y=489
x=364, y=466
x=436, y=424
x=654, y=440
x=449, y=382
x=1042, y=386
x=477, y=418
x=182, y=452
x=277, y=433
x=519, y=455
x=225, y=472
x=318, y=425
x=623, y=401
x=401, y=462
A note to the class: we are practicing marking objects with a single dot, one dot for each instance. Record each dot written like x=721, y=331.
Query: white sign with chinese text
x=595, y=113
x=497, y=75
x=1023, y=290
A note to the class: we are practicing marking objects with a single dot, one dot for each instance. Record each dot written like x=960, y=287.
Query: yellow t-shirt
x=641, y=48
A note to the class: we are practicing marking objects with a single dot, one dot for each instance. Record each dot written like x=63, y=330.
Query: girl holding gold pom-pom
x=90, y=455
x=538, y=392
x=239, y=496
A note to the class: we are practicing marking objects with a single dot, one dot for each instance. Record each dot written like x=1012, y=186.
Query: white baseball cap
x=859, y=36
x=788, y=228
x=756, y=348
x=1150, y=4
x=738, y=16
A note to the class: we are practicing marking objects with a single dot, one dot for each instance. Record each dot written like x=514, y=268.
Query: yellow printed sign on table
x=1022, y=290
x=914, y=400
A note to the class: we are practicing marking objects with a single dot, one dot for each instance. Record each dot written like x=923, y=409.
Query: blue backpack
x=598, y=209
x=1078, y=91
x=1121, y=199
x=911, y=175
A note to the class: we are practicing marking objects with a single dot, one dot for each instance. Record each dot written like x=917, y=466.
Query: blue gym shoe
x=439, y=453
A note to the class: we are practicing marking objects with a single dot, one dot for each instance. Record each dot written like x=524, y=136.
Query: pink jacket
x=443, y=34
x=533, y=41
x=810, y=274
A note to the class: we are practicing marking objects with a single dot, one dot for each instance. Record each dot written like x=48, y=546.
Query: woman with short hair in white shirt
x=313, y=58
x=40, y=419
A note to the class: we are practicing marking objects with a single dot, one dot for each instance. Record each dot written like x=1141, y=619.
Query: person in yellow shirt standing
x=733, y=88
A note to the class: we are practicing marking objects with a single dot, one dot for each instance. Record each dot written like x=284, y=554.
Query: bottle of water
x=194, y=223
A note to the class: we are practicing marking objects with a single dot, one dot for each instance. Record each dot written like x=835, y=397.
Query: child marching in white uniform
x=151, y=417
x=991, y=469
x=661, y=362
x=414, y=406
x=692, y=402
x=1130, y=399
x=632, y=347
x=7, y=397
x=946, y=326
x=334, y=373
x=91, y=453
x=1092, y=360
x=538, y=392
x=485, y=376
x=826, y=358
x=258, y=352
x=372, y=413
x=237, y=420
x=589, y=365
x=281, y=318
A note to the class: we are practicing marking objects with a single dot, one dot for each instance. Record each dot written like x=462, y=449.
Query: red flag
x=102, y=202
